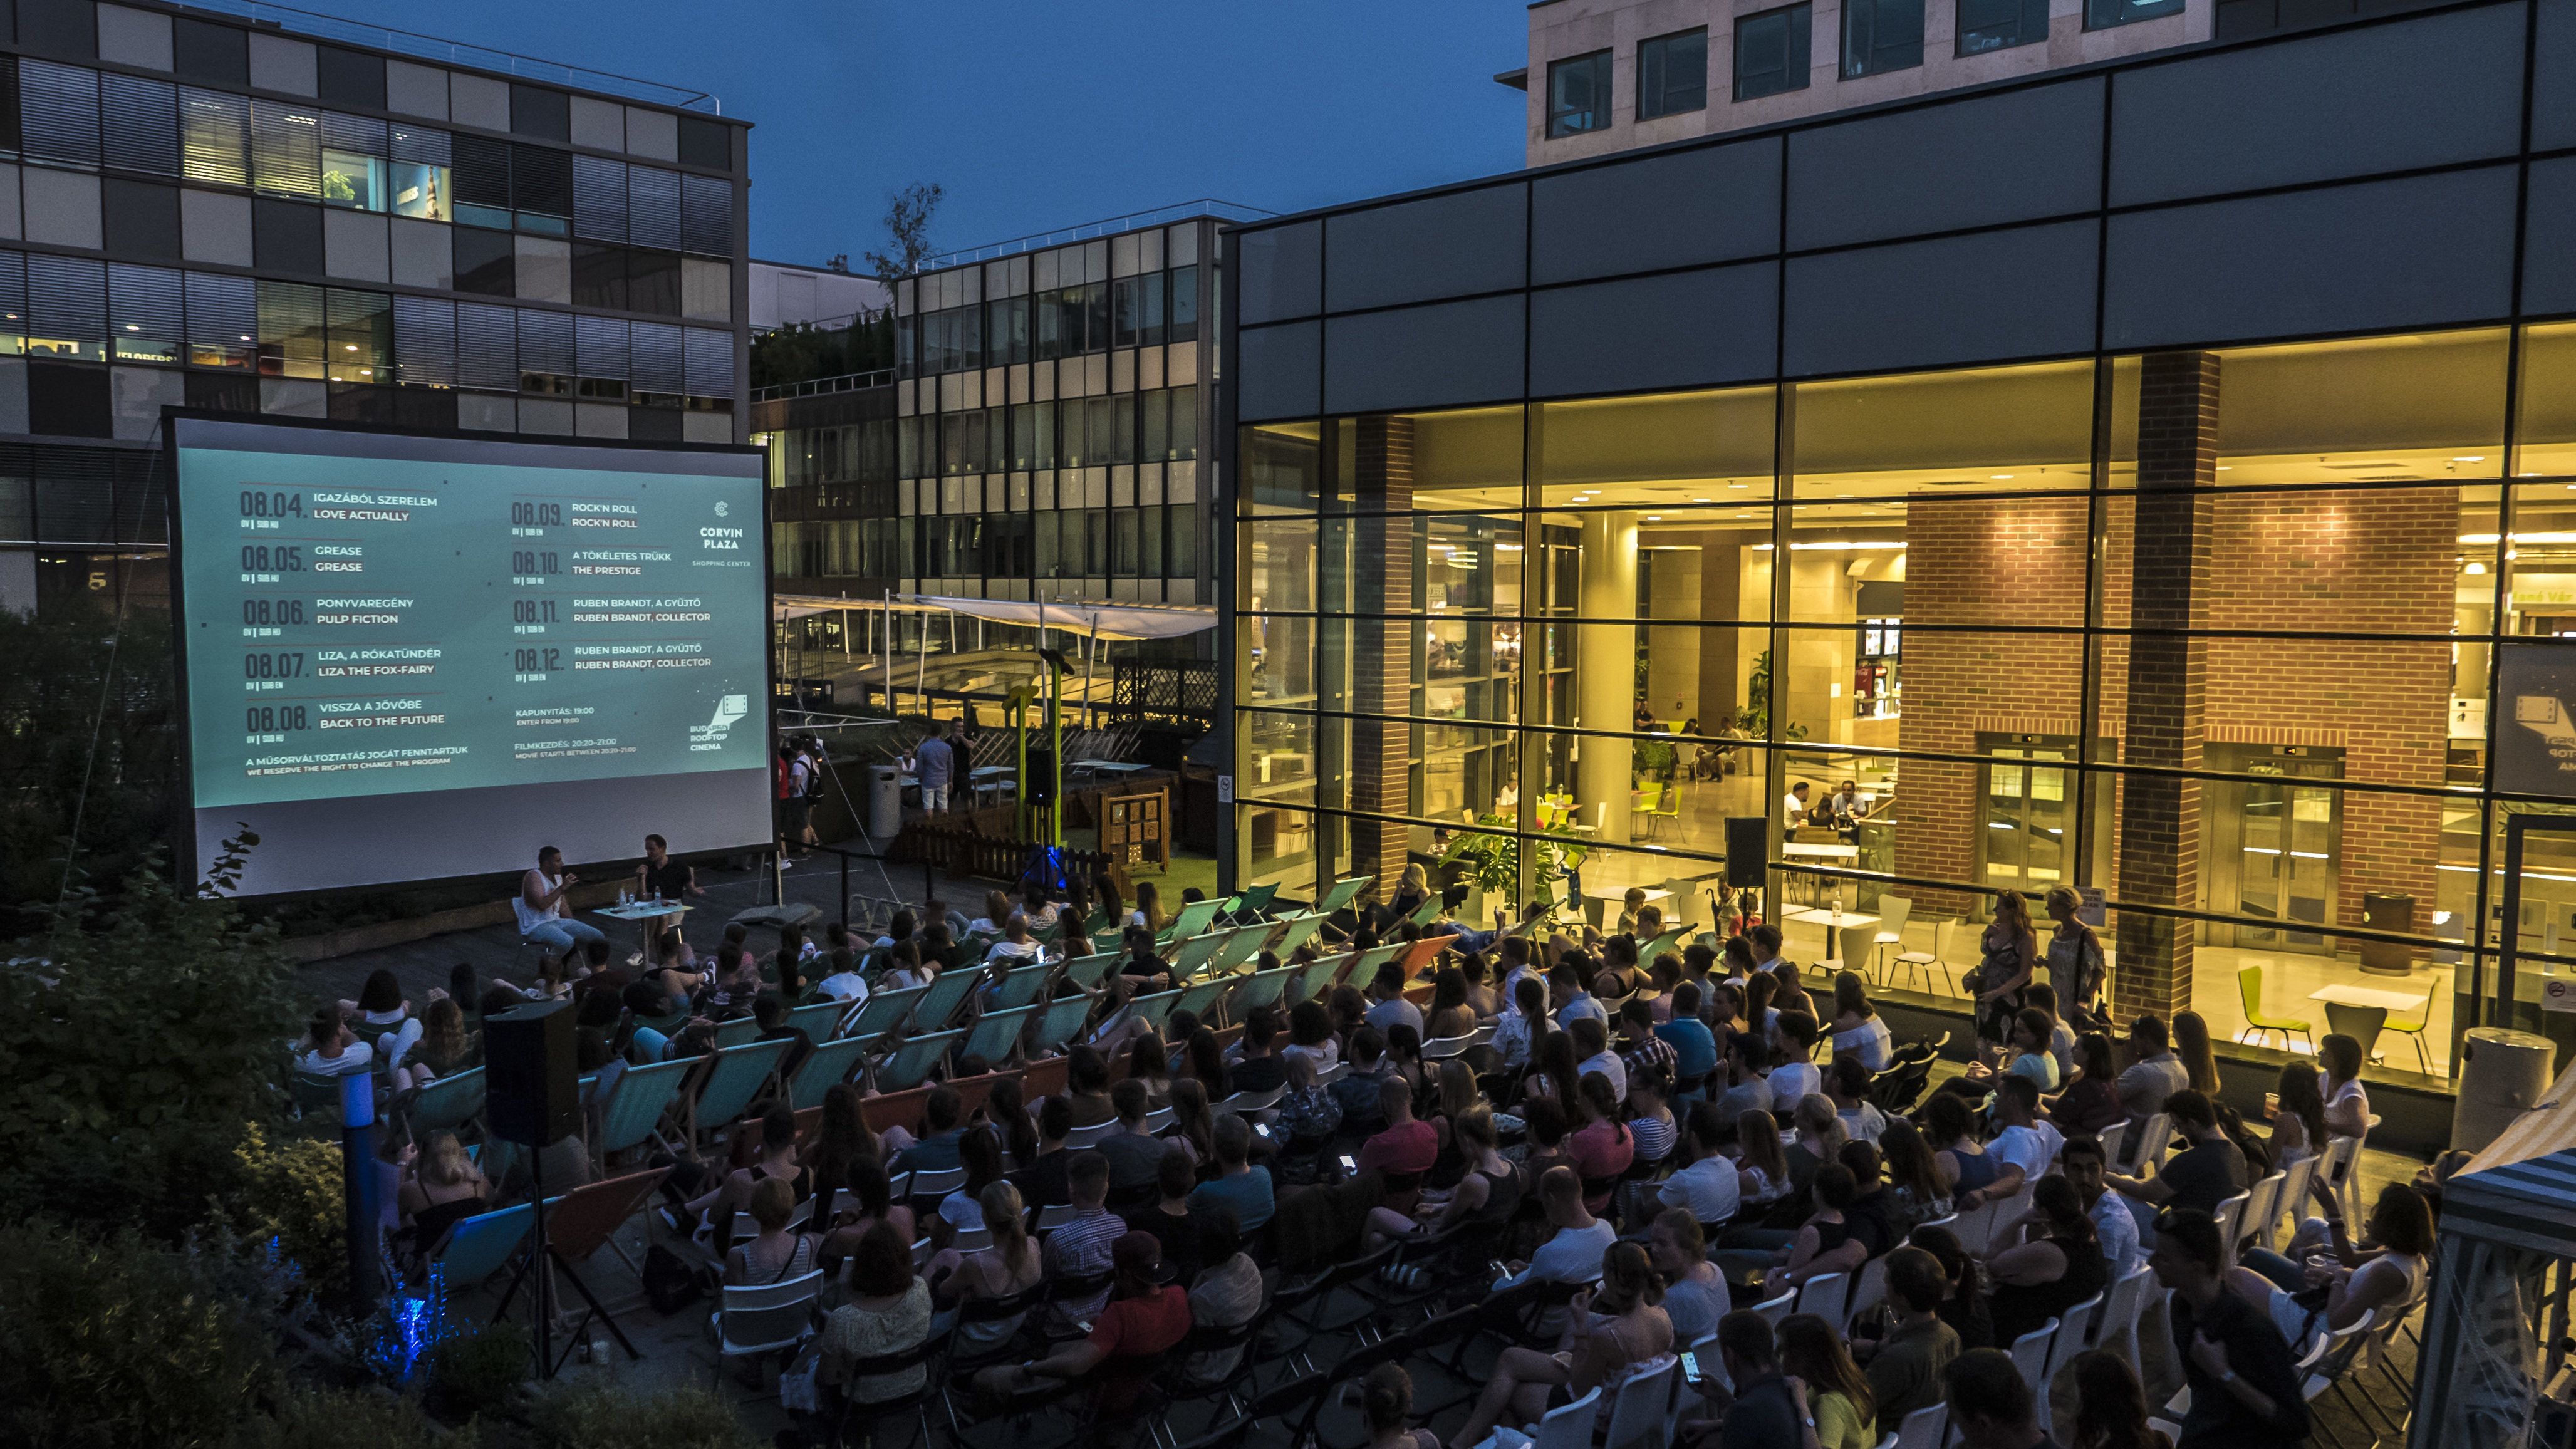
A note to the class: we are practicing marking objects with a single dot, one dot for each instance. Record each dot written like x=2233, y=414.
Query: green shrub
x=117, y=1341
x=607, y=1414
x=473, y=1372
x=289, y=1191
x=341, y=1418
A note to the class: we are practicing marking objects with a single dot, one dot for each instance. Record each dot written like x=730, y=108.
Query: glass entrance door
x=2275, y=845
x=2024, y=810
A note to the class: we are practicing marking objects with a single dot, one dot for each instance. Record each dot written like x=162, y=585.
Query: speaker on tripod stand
x=532, y=1097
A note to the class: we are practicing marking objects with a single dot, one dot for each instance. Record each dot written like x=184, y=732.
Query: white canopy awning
x=1095, y=618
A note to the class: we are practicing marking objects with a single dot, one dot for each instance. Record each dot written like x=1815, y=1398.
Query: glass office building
x=2116, y=481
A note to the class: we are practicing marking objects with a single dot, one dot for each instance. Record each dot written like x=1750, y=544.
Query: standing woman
x=2075, y=964
x=2009, y=956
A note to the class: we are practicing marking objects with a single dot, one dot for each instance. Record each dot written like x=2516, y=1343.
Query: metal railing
x=427, y=47
x=1204, y=206
x=820, y=386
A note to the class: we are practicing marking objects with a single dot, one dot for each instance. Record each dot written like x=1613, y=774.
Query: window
x=145, y=313
x=2103, y=14
x=353, y=162
x=141, y=124
x=1184, y=324
x=1578, y=94
x=653, y=207
x=286, y=150
x=223, y=321
x=58, y=109
x=1986, y=25
x=599, y=198
x=1136, y=311
x=361, y=336
x=291, y=330
x=1771, y=52
x=420, y=178
x=214, y=137
x=1880, y=36
x=541, y=189
x=425, y=341
x=485, y=263
x=482, y=181
x=706, y=215
x=204, y=51
x=1672, y=74
x=599, y=276
x=1006, y=334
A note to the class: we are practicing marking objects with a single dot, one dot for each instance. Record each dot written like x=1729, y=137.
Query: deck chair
x=1670, y=937
x=1063, y=1019
x=578, y=1225
x=737, y=1031
x=1152, y=1009
x=942, y=997
x=825, y=1067
x=1192, y=920
x=446, y=1104
x=912, y=1062
x=1088, y=972
x=885, y=1011
x=635, y=1106
x=481, y=1245
x=1342, y=893
x=1260, y=989
x=997, y=1034
x=1024, y=985
x=1196, y=952
x=1318, y=977
x=819, y=1020
x=738, y=1075
x=1240, y=947
x=1255, y=901
x=1425, y=913
x=1300, y=930
x=1361, y=966
x=1199, y=1000
x=1419, y=955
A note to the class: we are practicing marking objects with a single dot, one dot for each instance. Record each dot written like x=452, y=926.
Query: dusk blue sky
x=1038, y=114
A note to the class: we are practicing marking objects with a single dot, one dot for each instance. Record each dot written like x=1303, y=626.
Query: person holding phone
x=1606, y=1335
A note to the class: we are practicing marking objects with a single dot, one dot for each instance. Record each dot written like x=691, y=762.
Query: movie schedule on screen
x=370, y=617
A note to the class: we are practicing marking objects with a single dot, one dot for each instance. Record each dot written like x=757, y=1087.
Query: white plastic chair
x=1244, y=1104
x=2030, y=1355
x=2072, y=1330
x=1324, y=1078
x=2110, y=1138
x=1919, y=965
x=1054, y=1216
x=1569, y=1427
x=1082, y=1137
x=765, y=1317
x=1893, y=913
x=2262, y=1204
x=1776, y=1312
x=2231, y=1211
x=2115, y=1328
x=2339, y=1164
x=1924, y=1428
x=2292, y=1197
x=1868, y=1291
x=1825, y=1296
x=1638, y=1416
x=2155, y=1135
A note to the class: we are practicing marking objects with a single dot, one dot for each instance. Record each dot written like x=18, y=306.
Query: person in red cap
x=1148, y=1314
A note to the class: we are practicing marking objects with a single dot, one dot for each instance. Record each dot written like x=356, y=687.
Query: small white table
x=1831, y=920
x=1797, y=850
x=646, y=915
x=2395, y=1003
x=1107, y=767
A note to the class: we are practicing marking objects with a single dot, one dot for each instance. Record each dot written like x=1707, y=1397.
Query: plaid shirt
x=1648, y=1051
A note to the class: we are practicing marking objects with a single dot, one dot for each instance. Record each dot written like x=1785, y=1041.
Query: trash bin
x=2502, y=1072
x=2392, y=911
x=885, y=804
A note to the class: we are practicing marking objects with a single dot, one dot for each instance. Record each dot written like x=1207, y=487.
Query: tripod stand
x=541, y=1251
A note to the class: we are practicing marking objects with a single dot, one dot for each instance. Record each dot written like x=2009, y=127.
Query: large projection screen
x=411, y=658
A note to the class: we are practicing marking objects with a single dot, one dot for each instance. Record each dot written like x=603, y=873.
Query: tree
x=907, y=224
x=57, y=745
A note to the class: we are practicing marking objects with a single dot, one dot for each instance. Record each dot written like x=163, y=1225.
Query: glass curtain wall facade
x=2086, y=482
x=2208, y=631
x=1050, y=409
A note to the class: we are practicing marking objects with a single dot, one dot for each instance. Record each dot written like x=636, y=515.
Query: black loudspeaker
x=1039, y=787
x=532, y=1094
x=1748, y=845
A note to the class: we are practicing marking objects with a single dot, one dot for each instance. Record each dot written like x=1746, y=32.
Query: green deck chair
x=737, y=1077
x=997, y=1034
x=2249, y=985
x=1089, y=971
x=1254, y=901
x=737, y=1031
x=1647, y=953
x=448, y=1103
x=817, y=1021
x=1260, y=989
x=1200, y=1000
x=1344, y=892
x=1152, y=1009
x=909, y=1065
x=1196, y=952
x=1193, y=919
x=1427, y=912
x=1024, y=985
x=1063, y=1019
x=825, y=1067
x=636, y=1104
x=1240, y=947
x=944, y=996
x=885, y=1011
x=1300, y=930
x=482, y=1245
x=1320, y=976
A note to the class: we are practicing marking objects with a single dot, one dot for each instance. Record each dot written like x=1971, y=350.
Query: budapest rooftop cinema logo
x=730, y=711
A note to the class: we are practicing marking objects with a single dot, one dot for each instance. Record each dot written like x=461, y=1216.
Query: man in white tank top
x=545, y=917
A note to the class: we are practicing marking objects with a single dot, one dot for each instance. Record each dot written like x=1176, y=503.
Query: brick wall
x=2365, y=560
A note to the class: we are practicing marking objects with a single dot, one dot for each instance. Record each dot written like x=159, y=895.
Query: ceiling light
x=1654, y=518
x=2225, y=468
x=2470, y=458
x=1999, y=477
